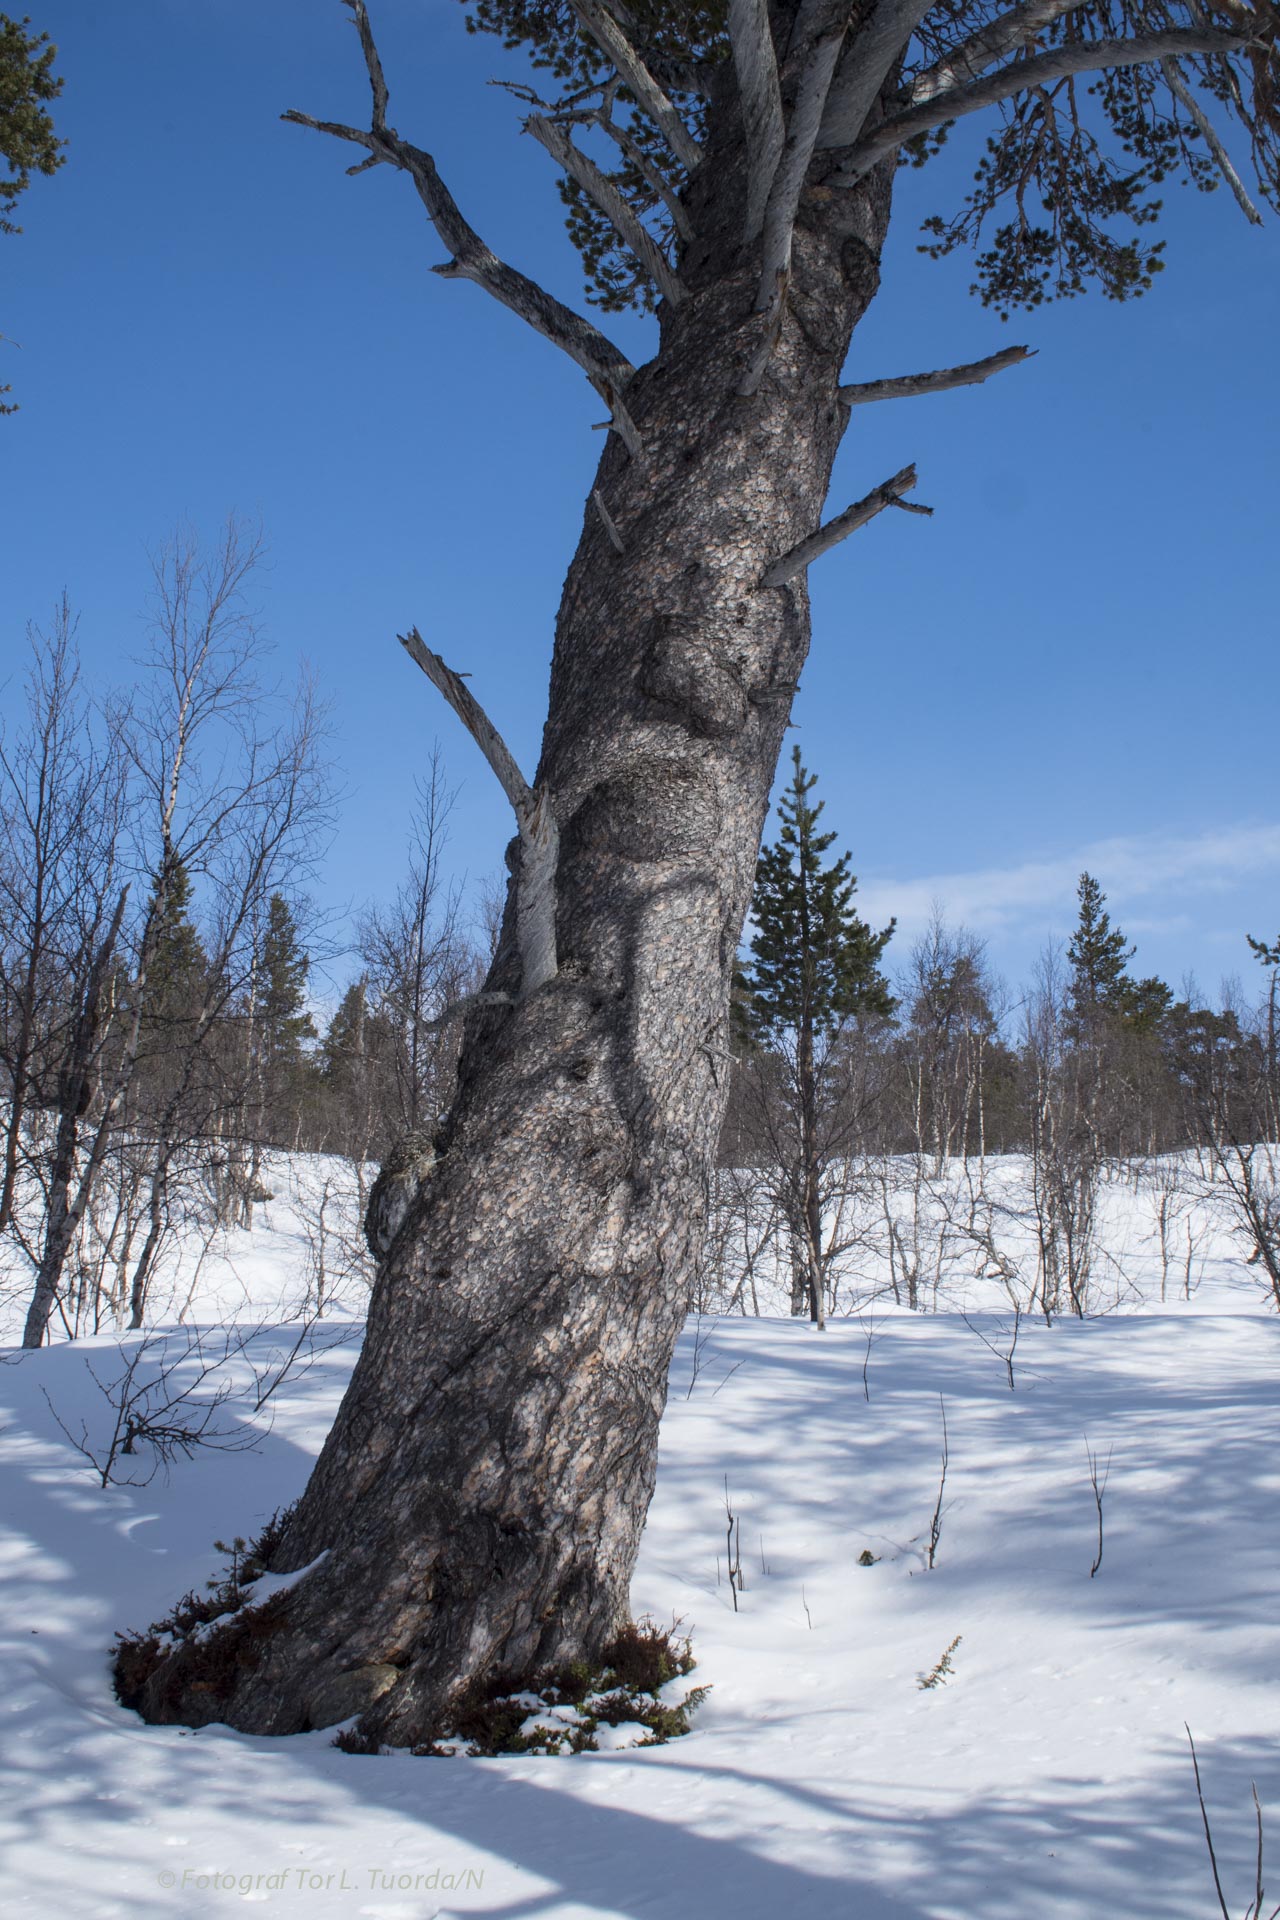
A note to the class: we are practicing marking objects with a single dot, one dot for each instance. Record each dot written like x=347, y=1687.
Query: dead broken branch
x=888, y=494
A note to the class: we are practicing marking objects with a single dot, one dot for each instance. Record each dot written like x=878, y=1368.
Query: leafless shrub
x=159, y=1410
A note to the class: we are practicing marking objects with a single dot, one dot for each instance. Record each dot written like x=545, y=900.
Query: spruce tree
x=343, y=1045
x=285, y=1020
x=282, y=1020
x=1097, y=955
x=177, y=965
x=1100, y=987
x=814, y=965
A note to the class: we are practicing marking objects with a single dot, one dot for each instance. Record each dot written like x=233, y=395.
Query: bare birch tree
x=218, y=797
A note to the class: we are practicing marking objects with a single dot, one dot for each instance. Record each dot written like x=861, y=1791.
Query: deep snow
x=1048, y=1774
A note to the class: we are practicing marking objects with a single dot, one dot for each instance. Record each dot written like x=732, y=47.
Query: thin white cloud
x=1001, y=900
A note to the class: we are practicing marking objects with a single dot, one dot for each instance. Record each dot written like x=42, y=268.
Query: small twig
x=613, y=43
x=733, y=1585
x=1208, y=1835
x=938, y=1675
x=1013, y=1344
x=721, y=1383
x=1212, y=139
x=699, y=1341
x=1098, y=1481
x=606, y=520
x=991, y=1346
x=805, y=1604
x=935, y=1525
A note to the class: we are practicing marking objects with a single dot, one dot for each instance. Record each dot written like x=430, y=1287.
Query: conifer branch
x=1001, y=36
x=602, y=192
x=608, y=35
x=471, y=258
x=1212, y=139
x=652, y=176
x=1024, y=76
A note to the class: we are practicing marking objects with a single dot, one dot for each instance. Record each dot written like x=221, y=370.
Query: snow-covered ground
x=1047, y=1774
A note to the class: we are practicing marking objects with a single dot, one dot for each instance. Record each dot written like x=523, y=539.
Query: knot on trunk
x=683, y=670
x=397, y=1186
x=657, y=810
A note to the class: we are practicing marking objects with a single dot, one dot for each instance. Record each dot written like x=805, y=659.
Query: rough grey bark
x=485, y=1515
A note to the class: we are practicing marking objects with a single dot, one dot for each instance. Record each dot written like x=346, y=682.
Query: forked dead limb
x=539, y=837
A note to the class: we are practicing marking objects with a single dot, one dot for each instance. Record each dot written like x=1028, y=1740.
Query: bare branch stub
x=607, y=521
x=887, y=494
x=471, y=258
x=539, y=837
x=620, y=420
x=906, y=386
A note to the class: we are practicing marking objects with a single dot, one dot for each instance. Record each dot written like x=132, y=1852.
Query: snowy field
x=1046, y=1774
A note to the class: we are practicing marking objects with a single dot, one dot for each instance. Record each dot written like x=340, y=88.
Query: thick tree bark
x=478, y=1506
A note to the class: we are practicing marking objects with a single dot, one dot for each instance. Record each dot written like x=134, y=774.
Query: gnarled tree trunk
x=480, y=1500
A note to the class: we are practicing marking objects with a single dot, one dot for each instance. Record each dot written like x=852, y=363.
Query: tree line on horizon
x=841, y=1069
x=158, y=1033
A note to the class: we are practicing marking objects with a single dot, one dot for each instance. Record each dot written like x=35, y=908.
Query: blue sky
x=1073, y=663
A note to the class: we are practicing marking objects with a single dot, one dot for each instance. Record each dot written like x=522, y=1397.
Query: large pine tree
x=479, y=1503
